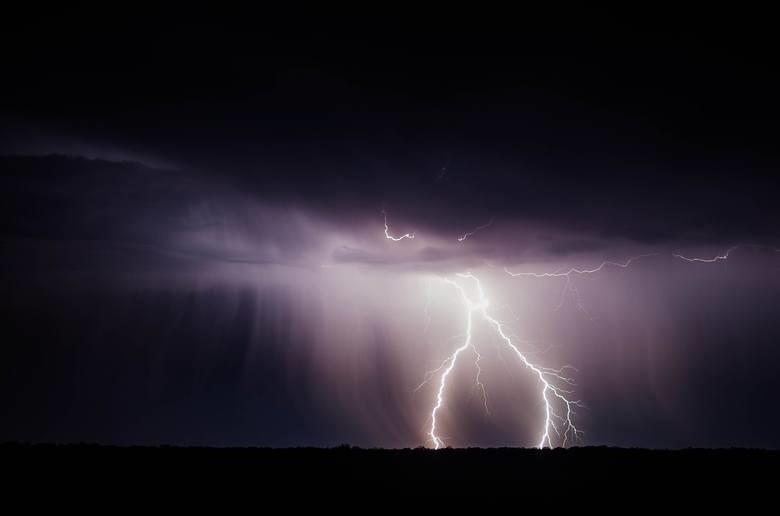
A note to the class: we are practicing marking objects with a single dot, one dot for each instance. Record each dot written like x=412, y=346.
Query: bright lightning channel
x=410, y=236
x=552, y=393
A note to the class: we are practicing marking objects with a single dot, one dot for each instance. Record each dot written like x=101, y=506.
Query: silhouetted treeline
x=495, y=471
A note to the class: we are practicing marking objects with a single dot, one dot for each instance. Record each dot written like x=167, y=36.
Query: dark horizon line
x=350, y=447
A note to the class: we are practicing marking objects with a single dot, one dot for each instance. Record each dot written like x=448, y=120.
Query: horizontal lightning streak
x=569, y=288
x=574, y=270
x=717, y=258
x=726, y=255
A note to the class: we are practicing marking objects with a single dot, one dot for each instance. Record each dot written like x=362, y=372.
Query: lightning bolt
x=558, y=408
x=555, y=390
x=555, y=393
x=410, y=236
x=717, y=258
x=478, y=228
x=725, y=256
x=574, y=270
x=569, y=288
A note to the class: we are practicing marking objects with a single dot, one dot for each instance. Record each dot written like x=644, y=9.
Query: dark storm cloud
x=566, y=246
x=649, y=137
x=129, y=208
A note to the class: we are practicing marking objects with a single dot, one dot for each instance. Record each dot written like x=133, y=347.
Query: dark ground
x=89, y=470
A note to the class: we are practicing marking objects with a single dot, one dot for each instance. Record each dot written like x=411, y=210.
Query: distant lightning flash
x=573, y=270
x=726, y=255
x=569, y=288
x=717, y=258
x=410, y=236
x=558, y=408
x=478, y=228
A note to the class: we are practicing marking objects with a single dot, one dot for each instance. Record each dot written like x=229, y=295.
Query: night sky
x=194, y=250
